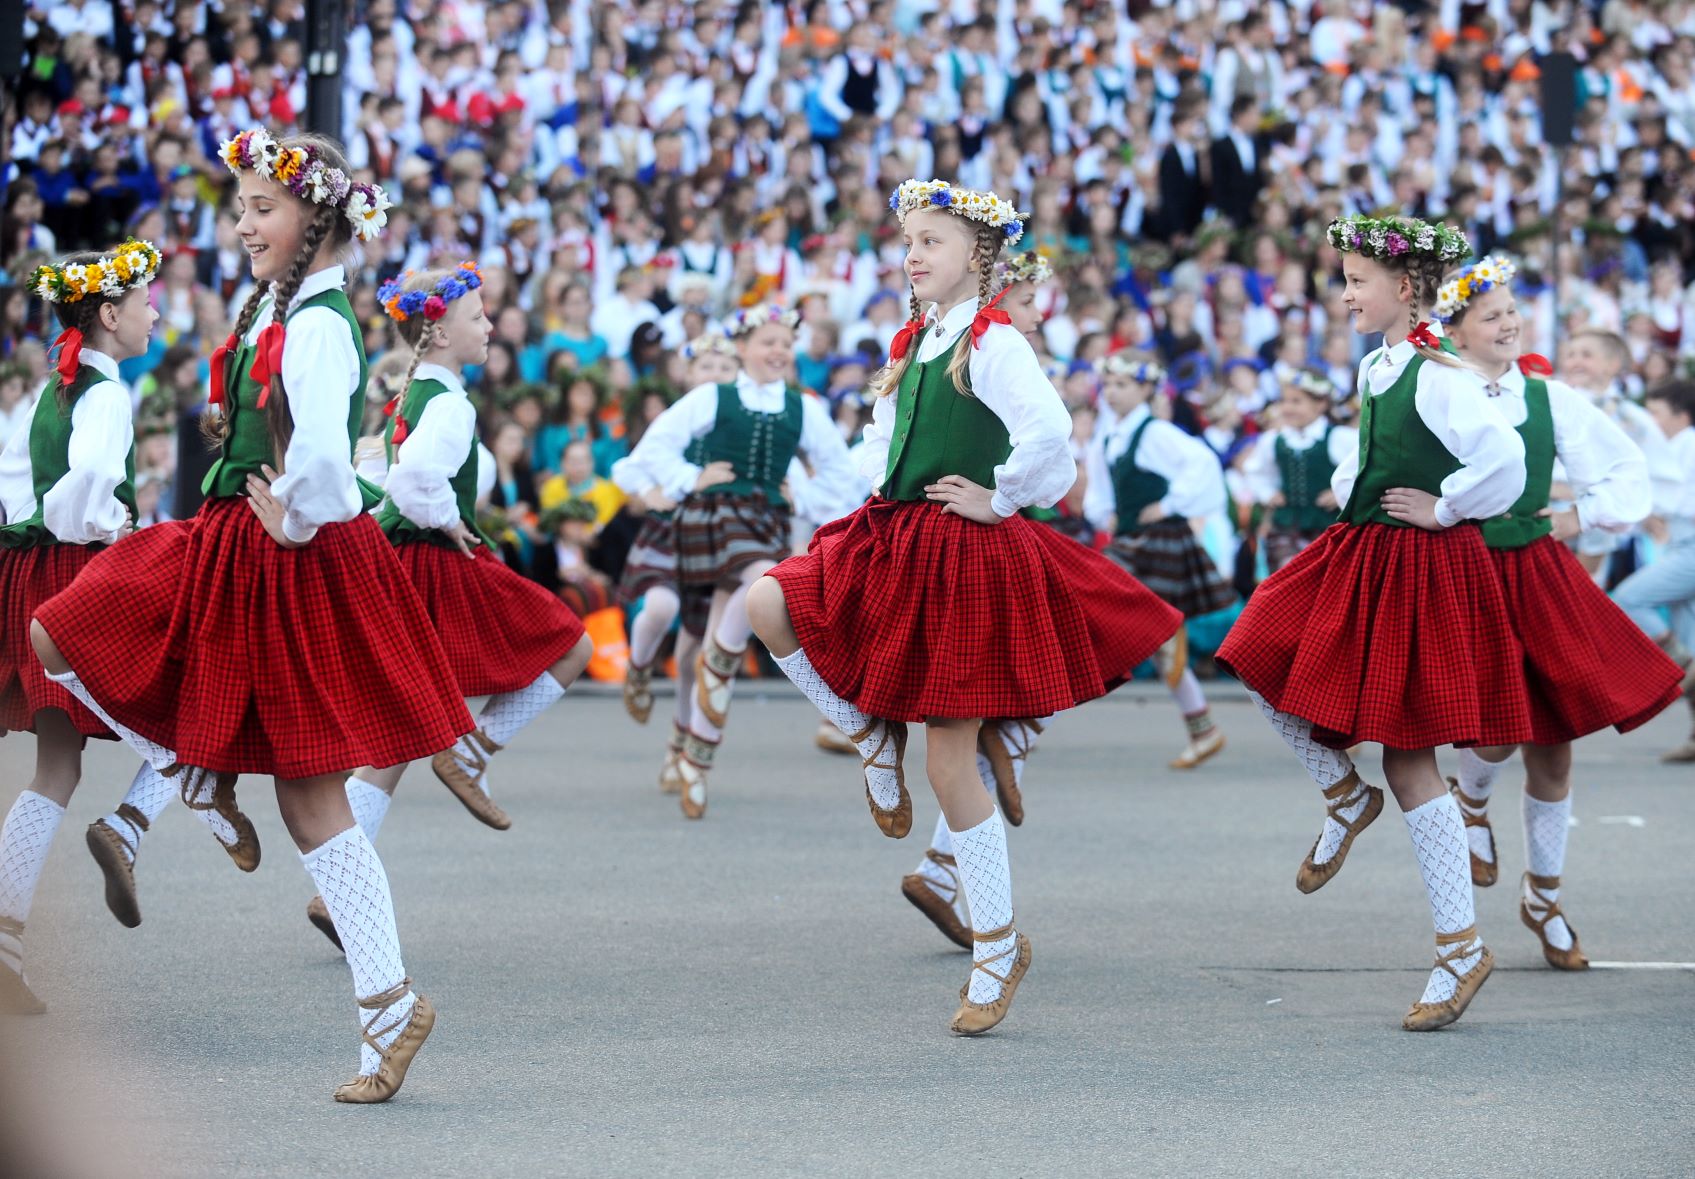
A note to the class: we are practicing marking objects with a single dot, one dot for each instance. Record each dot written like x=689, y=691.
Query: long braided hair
x=985, y=248
x=1425, y=273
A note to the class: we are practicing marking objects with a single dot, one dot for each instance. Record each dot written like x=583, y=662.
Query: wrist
x=1001, y=506
x=1445, y=515
x=296, y=532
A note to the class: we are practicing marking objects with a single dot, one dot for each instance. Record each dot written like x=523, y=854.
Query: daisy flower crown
x=1144, y=372
x=133, y=264
x=751, y=319
x=305, y=174
x=1383, y=238
x=984, y=207
x=711, y=344
x=401, y=306
x=1314, y=384
x=1491, y=272
x=1031, y=267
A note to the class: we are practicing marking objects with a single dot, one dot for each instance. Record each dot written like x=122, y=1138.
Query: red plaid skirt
x=1586, y=663
x=911, y=612
x=209, y=638
x=501, y=630
x=1393, y=635
x=28, y=577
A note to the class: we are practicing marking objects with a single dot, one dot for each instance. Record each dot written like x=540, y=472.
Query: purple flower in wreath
x=1397, y=244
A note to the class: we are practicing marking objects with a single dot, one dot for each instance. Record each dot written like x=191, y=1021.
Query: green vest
x=1521, y=524
x=759, y=446
x=1133, y=487
x=1396, y=450
x=940, y=431
x=247, y=443
x=1305, y=475
x=50, y=459
x=401, y=529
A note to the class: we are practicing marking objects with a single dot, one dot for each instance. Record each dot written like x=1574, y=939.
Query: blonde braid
x=984, y=251
x=887, y=379
x=1426, y=277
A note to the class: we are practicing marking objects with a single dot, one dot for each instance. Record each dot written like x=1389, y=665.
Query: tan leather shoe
x=896, y=822
x=638, y=693
x=1427, y=1017
x=1005, y=748
x=941, y=903
x=693, y=768
x=462, y=773
x=113, y=855
x=397, y=1057
x=318, y=914
x=1483, y=872
x=1537, y=922
x=1199, y=749
x=206, y=790
x=715, y=671
x=1311, y=877
x=832, y=740
x=973, y=1019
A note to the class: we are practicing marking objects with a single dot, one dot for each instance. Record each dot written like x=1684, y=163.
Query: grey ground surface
x=624, y=992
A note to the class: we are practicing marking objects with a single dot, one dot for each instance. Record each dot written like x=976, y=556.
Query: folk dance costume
x=1296, y=464
x=1382, y=631
x=238, y=655
x=1139, y=463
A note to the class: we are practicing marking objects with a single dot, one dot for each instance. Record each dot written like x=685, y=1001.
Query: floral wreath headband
x=402, y=306
x=711, y=344
x=984, y=207
x=1032, y=267
x=133, y=264
x=1144, y=372
x=1314, y=384
x=1493, y=271
x=751, y=319
x=1383, y=238
x=305, y=174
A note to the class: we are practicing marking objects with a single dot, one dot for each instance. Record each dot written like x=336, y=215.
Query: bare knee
x=1495, y=754
x=315, y=810
x=1547, y=771
x=46, y=650
x=569, y=668
x=768, y=613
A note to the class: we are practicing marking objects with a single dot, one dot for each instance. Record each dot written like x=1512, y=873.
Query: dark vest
x=1134, y=487
x=1305, y=475
x=940, y=431
x=759, y=446
x=1522, y=524
x=1396, y=450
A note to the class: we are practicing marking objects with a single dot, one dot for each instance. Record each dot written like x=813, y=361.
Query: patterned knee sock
x=504, y=715
x=354, y=886
x=369, y=803
x=942, y=844
x=885, y=790
x=1438, y=839
x=1546, y=828
x=1327, y=767
x=150, y=792
x=156, y=756
x=1477, y=783
x=30, y=826
x=986, y=874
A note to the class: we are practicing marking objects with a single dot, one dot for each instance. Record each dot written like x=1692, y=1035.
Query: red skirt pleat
x=1586, y=663
x=500, y=630
x=28, y=577
x=910, y=612
x=1393, y=635
x=209, y=638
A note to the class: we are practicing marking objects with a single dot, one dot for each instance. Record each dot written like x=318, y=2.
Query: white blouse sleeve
x=1006, y=377
x=82, y=507
x=630, y=477
x=1100, y=501
x=874, y=441
x=1606, y=469
x=833, y=489
x=432, y=454
x=1260, y=477
x=320, y=369
x=1491, y=479
x=1196, y=481
x=660, y=452
x=487, y=472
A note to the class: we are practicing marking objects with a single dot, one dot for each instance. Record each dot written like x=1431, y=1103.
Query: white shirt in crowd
x=1260, y=476
x=1184, y=461
x=82, y=507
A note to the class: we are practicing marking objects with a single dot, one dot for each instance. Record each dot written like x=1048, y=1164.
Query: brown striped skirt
x=1282, y=545
x=652, y=562
x=1166, y=557
x=718, y=537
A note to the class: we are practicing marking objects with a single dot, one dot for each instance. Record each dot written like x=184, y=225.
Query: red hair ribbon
x=267, y=360
x=220, y=359
x=392, y=410
x=1422, y=337
x=69, y=345
x=989, y=314
x=1532, y=364
x=904, y=338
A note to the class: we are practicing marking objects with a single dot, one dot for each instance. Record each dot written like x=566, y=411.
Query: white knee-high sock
x=30, y=826
x=1190, y=697
x=885, y=790
x=156, y=756
x=734, y=629
x=942, y=844
x=986, y=874
x=1438, y=839
x=369, y=803
x=509, y=712
x=687, y=648
x=1547, y=825
x=652, y=623
x=1477, y=783
x=150, y=792
x=1326, y=766
x=350, y=878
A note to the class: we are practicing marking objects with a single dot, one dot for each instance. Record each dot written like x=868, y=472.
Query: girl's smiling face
x=1375, y=296
x=1489, y=330
x=272, y=225
x=767, y=351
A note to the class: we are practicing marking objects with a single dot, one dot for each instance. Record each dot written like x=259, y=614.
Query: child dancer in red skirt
x=506, y=637
x=1588, y=665
x=937, y=602
x=734, y=520
x=276, y=632
x=650, y=574
x=1392, y=626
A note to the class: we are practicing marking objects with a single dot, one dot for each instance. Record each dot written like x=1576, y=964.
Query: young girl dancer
x=276, y=632
x=67, y=488
x=1392, y=627
x=936, y=602
x=1587, y=664
x=734, y=520
x=1289, y=471
x=1147, y=481
x=649, y=582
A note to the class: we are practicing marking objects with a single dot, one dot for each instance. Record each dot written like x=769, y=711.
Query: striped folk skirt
x=1166, y=557
x=718, y=537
